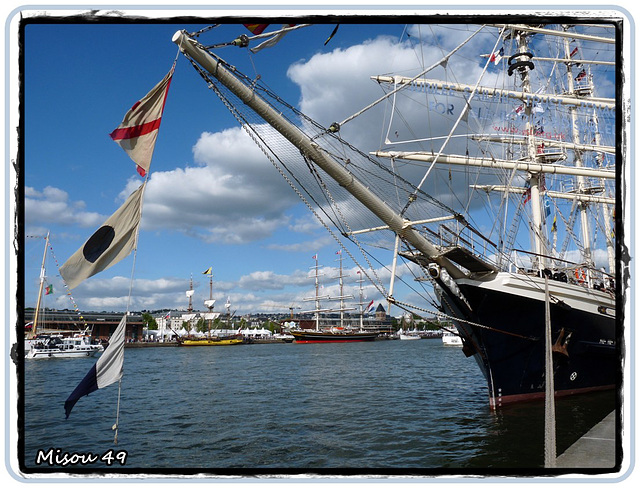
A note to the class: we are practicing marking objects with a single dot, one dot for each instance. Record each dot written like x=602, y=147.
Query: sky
x=212, y=199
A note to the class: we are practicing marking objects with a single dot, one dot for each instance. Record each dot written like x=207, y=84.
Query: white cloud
x=52, y=206
x=233, y=196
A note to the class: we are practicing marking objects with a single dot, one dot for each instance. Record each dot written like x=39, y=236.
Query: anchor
x=560, y=346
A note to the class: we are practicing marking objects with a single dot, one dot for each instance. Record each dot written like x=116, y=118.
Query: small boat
x=56, y=346
x=210, y=341
x=451, y=339
x=39, y=345
x=408, y=336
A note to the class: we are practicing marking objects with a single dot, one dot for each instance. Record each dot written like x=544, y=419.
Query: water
x=379, y=407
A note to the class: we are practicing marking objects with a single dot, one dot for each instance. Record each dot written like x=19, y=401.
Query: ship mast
x=611, y=253
x=31, y=334
x=361, y=294
x=522, y=64
x=317, y=297
x=342, y=296
x=210, y=302
x=190, y=295
x=575, y=132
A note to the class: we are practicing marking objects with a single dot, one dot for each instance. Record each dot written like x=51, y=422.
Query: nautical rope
x=440, y=62
x=258, y=140
x=115, y=426
x=327, y=192
x=446, y=141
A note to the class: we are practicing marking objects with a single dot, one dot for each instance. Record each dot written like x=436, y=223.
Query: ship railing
x=459, y=235
x=549, y=155
x=582, y=274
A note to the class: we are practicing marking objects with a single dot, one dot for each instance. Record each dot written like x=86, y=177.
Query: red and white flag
x=138, y=131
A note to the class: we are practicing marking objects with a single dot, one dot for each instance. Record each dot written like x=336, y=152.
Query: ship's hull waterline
x=505, y=334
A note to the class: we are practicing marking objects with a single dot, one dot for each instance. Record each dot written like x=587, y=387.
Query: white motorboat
x=451, y=339
x=64, y=347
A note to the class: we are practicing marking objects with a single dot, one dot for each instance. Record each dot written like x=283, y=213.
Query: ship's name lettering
x=57, y=457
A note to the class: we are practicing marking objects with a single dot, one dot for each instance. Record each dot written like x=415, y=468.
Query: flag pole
x=115, y=426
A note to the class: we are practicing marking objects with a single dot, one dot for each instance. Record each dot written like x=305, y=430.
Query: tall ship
x=210, y=339
x=497, y=183
x=324, y=333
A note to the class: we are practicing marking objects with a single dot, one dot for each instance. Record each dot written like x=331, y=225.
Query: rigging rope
x=261, y=143
x=422, y=73
x=457, y=319
x=463, y=113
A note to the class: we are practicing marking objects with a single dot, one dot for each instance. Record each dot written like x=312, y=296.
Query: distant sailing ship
x=210, y=339
x=330, y=333
x=532, y=147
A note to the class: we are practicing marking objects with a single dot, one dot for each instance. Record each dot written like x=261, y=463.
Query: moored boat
x=331, y=333
x=408, y=335
x=211, y=341
x=56, y=346
x=326, y=336
x=451, y=339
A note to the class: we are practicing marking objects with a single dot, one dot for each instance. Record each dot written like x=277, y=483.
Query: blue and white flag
x=107, y=370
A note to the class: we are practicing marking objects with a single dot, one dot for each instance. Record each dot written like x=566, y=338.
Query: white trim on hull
x=576, y=296
x=507, y=316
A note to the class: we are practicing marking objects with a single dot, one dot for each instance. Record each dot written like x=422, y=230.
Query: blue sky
x=211, y=200
x=80, y=79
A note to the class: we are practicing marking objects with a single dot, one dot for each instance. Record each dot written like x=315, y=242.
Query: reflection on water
x=516, y=434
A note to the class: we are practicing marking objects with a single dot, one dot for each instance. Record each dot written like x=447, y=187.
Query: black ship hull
x=314, y=337
x=505, y=333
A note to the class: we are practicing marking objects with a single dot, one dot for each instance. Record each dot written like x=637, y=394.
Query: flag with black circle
x=108, y=245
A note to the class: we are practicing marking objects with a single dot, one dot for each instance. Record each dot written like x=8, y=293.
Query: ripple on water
x=386, y=404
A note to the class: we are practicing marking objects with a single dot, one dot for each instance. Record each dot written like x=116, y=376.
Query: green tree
x=149, y=321
x=202, y=325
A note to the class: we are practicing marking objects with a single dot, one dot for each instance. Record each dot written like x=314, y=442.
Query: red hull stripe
x=320, y=341
x=507, y=400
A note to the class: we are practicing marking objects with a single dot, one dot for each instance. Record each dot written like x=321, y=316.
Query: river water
x=384, y=407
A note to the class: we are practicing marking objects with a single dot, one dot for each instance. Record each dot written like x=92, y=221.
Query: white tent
x=256, y=332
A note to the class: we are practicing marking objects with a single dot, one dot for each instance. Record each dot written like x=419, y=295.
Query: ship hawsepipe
x=505, y=334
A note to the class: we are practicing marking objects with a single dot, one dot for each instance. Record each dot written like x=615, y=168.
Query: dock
x=595, y=449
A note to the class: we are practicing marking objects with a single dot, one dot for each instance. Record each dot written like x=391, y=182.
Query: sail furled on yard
x=108, y=245
x=107, y=370
x=138, y=131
